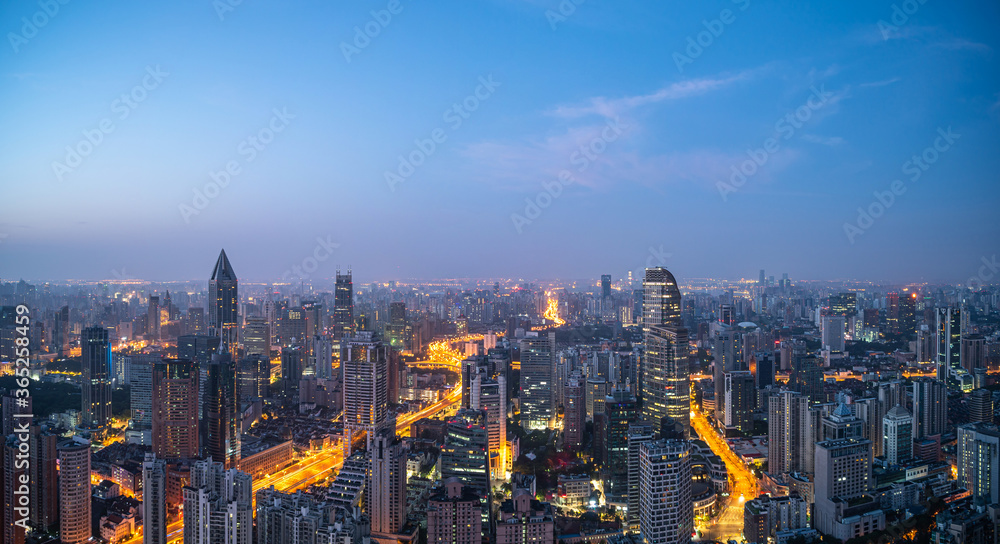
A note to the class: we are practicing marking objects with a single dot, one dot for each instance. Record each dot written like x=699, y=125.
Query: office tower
x=725, y=353
x=218, y=505
x=154, y=500
x=762, y=369
x=981, y=406
x=978, y=462
x=294, y=327
x=257, y=337
x=196, y=321
x=524, y=520
x=844, y=304
x=387, y=484
x=153, y=319
x=844, y=475
x=762, y=277
x=343, y=306
x=537, y=364
x=666, y=513
x=621, y=411
x=396, y=330
x=792, y=431
x=597, y=391
x=491, y=397
x=897, y=435
x=892, y=313
x=471, y=367
x=365, y=367
x=949, y=338
x=74, y=491
x=574, y=411
x=44, y=479
x=639, y=432
x=221, y=419
x=930, y=407
x=973, y=352
x=321, y=357
x=454, y=515
x=60, y=332
x=141, y=395
x=12, y=409
x=807, y=377
x=907, y=314
x=175, y=410
x=96, y=381
x=833, y=333
x=465, y=454
x=198, y=348
x=665, y=388
x=14, y=486
x=740, y=395
x=223, y=305
x=292, y=363
x=605, y=286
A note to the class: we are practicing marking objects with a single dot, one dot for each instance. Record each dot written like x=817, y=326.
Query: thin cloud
x=614, y=107
x=823, y=140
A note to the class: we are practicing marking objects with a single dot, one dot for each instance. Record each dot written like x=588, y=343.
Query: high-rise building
x=153, y=319
x=197, y=347
x=897, y=435
x=299, y=518
x=665, y=373
x=725, y=352
x=807, y=377
x=978, y=448
x=981, y=406
x=844, y=304
x=490, y=396
x=740, y=395
x=293, y=359
x=843, y=479
x=930, y=407
x=218, y=505
x=60, y=332
x=454, y=515
x=621, y=411
x=154, y=500
x=221, y=419
x=537, y=365
x=141, y=394
x=14, y=476
x=386, y=493
x=44, y=479
x=973, y=352
x=343, y=306
x=74, y=491
x=833, y=332
x=949, y=338
x=762, y=369
x=766, y=516
x=175, y=410
x=574, y=411
x=524, y=520
x=639, y=433
x=465, y=454
x=597, y=392
x=666, y=511
x=96, y=366
x=365, y=367
x=257, y=337
x=792, y=432
x=907, y=314
x=223, y=305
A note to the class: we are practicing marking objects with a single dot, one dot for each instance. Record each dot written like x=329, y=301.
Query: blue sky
x=605, y=75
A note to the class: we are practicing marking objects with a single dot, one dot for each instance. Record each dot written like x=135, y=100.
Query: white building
x=666, y=510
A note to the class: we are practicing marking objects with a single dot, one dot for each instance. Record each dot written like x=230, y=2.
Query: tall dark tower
x=96, y=352
x=343, y=306
x=221, y=421
x=223, y=300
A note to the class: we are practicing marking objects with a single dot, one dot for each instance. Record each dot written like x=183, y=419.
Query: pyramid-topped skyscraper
x=223, y=300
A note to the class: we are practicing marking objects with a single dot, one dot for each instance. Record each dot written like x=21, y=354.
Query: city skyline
x=302, y=111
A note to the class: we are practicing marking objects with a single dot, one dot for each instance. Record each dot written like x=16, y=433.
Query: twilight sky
x=411, y=154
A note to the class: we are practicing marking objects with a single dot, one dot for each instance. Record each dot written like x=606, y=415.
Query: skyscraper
x=573, y=412
x=930, y=407
x=665, y=374
x=257, y=337
x=740, y=395
x=141, y=395
x=154, y=500
x=978, y=450
x=973, y=352
x=949, y=338
x=537, y=365
x=490, y=396
x=981, y=406
x=844, y=475
x=791, y=429
x=218, y=505
x=466, y=449
x=639, y=433
x=666, y=512
x=96, y=366
x=153, y=319
x=343, y=306
x=387, y=480
x=365, y=364
x=833, y=332
x=224, y=303
x=620, y=408
x=897, y=435
x=725, y=352
x=175, y=410
x=15, y=479
x=221, y=419
x=74, y=491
